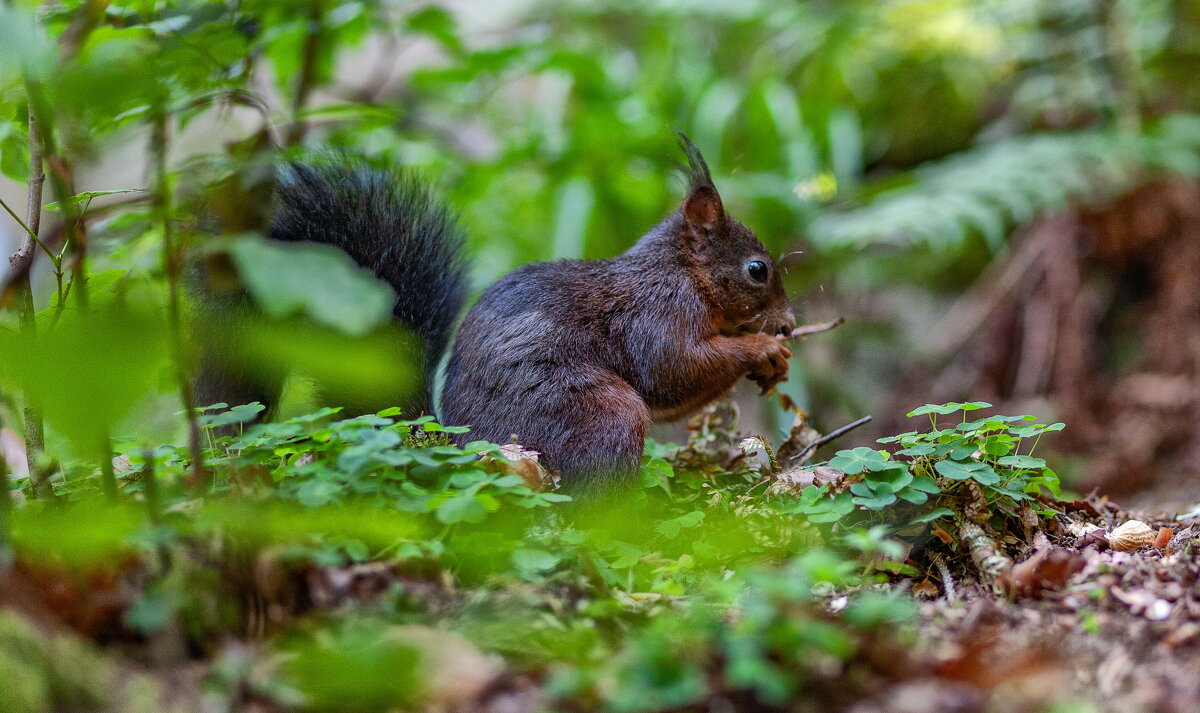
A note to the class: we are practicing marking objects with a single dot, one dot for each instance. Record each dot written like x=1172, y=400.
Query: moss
x=60, y=673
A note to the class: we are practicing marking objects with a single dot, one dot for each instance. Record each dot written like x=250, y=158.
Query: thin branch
x=62, y=181
x=150, y=488
x=308, y=72
x=810, y=329
x=22, y=262
x=54, y=239
x=28, y=231
x=832, y=435
x=171, y=263
x=41, y=153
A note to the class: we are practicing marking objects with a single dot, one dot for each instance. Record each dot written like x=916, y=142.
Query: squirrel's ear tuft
x=697, y=169
x=702, y=207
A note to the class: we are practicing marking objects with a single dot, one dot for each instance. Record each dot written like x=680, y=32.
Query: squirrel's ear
x=702, y=208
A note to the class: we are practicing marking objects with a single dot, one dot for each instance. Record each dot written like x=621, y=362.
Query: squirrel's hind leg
x=603, y=433
x=588, y=423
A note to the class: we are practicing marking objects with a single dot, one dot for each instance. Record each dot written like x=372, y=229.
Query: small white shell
x=1132, y=535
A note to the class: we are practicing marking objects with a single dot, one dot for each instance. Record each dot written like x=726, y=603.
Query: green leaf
x=964, y=451
x=14, y=153
x=939, y=409
x=831, y=509
x=896, y=438
x=925, y=484
x=25, y=48
x=1025, y=431
x=991, y=423
x=876, y=502
x=947, y=409
x=238, y=414
x=973, y=405
x=1022, y=462
x=531, y=562
x=934, y=515
x=855, y=461
x=866, y=490
x=889, y=480
x=87, y=196
x=464, y=507
x=317, y=280
x=981, y=473
x=671, y=528
x=996, y=448
x=90, y=370
x=437, y=23
x=151, y=612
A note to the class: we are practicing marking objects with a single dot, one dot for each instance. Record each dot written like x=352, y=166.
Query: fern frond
x=990, y=189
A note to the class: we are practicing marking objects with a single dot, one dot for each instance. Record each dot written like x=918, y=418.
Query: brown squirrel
x=575, y=357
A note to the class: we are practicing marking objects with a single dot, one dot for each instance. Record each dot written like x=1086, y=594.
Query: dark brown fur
x=576, y=357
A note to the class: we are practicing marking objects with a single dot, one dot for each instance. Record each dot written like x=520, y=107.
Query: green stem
x=150, y=486
x=171, y=263
x=308, y=72
x=5, y=517
x=108, y=478
x=62, y=181
x=29, y=231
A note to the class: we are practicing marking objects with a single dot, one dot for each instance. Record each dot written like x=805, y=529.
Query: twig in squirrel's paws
x=810, y=329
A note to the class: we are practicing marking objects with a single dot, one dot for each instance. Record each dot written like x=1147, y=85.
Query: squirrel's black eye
x=757, y=270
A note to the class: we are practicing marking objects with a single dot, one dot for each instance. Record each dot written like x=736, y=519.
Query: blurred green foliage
x=628, y=604
x=887, y=143
x=894, y=144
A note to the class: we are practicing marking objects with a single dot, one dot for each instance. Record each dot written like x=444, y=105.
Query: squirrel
x=574, y=358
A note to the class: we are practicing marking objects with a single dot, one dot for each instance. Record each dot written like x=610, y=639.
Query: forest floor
x=1082, y=622
x=1088, y=606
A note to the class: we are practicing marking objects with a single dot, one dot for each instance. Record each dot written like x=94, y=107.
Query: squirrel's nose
x=787, y=324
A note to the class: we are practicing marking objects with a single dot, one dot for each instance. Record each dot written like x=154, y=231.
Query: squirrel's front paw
x=769, y=365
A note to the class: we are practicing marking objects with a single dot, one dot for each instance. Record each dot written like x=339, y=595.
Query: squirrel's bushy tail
x=388, y=222
x=393, y=225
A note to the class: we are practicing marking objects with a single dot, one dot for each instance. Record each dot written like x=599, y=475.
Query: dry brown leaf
x=976, y=509
x=1079, y=506
x=523, y=462
x=1183, y=636
x=794, y=480
x=1097, y=538
x=1046, y=570
x=925, y=589
x=455, y=674
x=800, y=437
